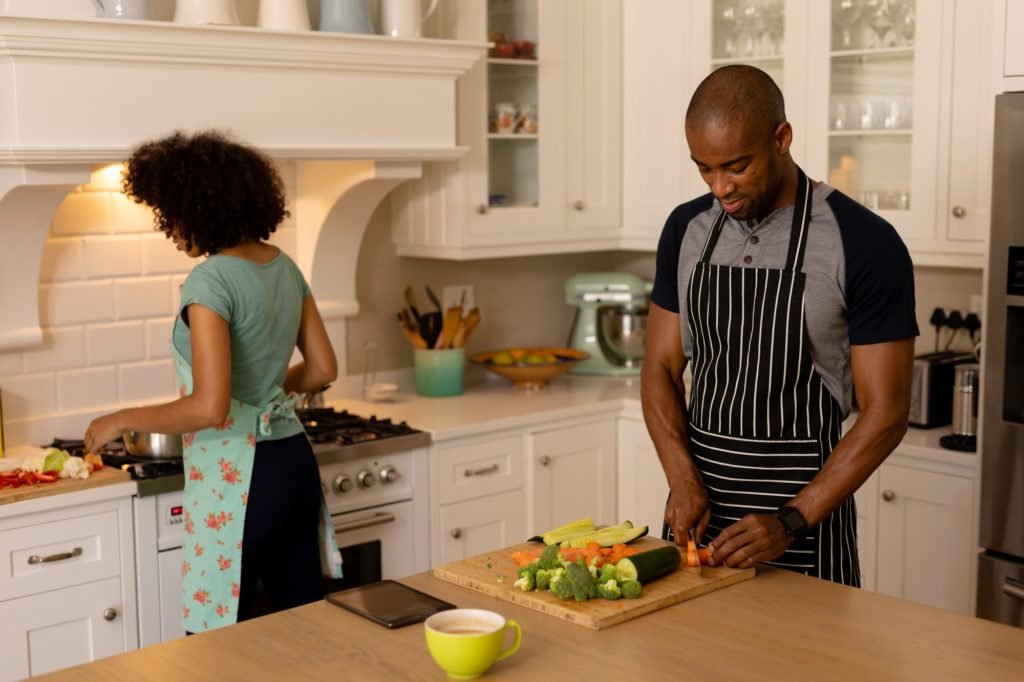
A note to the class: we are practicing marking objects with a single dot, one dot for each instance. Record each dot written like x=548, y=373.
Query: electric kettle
x=965, y=410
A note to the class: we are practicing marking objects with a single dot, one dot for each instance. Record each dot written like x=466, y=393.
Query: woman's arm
x=210, y=400
x=319, y=366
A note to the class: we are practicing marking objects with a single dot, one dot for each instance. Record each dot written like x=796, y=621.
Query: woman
x=254, y=509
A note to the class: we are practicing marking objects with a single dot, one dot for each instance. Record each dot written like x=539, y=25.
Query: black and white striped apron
x=761, y=421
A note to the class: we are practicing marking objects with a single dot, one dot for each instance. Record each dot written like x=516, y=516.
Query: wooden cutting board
x=494, y=572
x=105, y=476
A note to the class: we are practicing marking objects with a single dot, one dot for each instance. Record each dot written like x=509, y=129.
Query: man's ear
x=783, y=138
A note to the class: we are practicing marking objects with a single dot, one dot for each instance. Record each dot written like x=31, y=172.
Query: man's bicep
x=664, y=342
x=882, y=374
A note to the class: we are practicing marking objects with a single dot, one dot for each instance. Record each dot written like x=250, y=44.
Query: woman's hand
x=101, y=431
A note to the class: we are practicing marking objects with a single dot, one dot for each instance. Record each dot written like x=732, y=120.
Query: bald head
x=737, y=93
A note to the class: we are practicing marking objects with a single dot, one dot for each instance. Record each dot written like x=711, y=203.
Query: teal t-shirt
x=262, y=304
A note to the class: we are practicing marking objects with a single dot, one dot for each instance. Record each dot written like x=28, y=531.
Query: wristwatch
x=792, y=521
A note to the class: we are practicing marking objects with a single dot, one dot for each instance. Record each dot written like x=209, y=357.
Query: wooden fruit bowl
x=530, y=375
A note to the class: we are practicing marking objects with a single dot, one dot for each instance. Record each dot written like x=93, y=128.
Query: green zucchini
x=571, y=529
x=619, y=534
x=650, y=565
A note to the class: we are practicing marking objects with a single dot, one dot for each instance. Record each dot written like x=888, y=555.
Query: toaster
x=931, y=393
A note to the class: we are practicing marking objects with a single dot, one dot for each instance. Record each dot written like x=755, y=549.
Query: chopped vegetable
x=526, y=577
x=631, y=589
x=609, y=590
x=550, y=557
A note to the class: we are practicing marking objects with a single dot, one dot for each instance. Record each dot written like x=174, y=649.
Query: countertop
x=97, y=479
x=776, y=626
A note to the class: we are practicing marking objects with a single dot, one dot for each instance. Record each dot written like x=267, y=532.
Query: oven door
x=375, y=544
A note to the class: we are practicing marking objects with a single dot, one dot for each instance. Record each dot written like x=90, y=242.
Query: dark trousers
x=280, y=544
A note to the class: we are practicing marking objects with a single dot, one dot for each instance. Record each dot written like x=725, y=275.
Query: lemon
x=503, y=358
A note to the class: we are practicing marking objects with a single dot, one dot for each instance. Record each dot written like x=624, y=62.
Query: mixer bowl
x=621, y=333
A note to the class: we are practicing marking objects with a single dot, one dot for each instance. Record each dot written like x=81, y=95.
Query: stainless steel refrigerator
x=1001, y=563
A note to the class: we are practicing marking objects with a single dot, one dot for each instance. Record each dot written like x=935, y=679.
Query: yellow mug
x=465, y=642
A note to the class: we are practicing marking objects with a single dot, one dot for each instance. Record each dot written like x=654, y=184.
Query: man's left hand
x=751, y=540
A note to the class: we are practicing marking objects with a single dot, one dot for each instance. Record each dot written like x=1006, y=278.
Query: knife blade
x=696, y=551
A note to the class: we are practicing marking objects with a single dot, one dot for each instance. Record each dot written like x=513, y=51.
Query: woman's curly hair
x=215, y=192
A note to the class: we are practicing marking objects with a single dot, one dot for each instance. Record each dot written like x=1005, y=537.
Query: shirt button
x=754, y=239
x=747, y=259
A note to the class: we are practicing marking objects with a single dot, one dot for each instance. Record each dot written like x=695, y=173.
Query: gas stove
x=343, y=436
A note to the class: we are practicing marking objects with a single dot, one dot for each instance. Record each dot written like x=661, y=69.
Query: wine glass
x=729, y=22
x=774, y=21
x=846, y=13
x=903, y=18
x=879, y=19
x=753, y=26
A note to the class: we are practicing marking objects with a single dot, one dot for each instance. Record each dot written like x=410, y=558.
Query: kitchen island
x=776, y=626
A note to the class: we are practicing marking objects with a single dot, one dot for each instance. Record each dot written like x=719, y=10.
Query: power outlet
x=453, y=296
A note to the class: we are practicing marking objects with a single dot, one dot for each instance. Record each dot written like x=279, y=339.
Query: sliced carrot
x=593, y=545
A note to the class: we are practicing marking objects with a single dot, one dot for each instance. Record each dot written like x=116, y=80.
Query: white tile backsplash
x=142, y=297
x=29, y=395
x=115, y=342
x=82, y=213
x=146, y=381
x=160, y=257
x=86, y=388
x=158, y=338
x=127, y=217
x=11, y=363
x=107, y=257
x=62, y=260
x=62, y=348
x=76, y=302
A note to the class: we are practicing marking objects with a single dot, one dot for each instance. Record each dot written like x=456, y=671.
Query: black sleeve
x=879, y=275
x=665, y=293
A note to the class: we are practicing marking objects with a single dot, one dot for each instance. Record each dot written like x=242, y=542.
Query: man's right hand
x=687, y=508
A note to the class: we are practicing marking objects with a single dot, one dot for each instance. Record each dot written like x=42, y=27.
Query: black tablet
x=389, y=603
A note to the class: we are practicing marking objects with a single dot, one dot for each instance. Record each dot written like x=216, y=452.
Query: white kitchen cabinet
x=572, y=474
x=67, y=580
x=547, y=182
x=478, y=526
x=895, y=111
x=1013, y=54
x=925, y=549
x=866, y=499
x=642, y=487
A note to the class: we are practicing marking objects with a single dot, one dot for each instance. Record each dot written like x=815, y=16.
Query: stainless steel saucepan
x=153, y=445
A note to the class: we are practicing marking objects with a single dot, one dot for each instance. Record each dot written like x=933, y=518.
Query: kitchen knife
x=410, y=301
x=696, y=550
x=433, y=299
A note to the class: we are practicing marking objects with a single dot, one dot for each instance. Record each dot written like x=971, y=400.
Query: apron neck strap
x=797, y=235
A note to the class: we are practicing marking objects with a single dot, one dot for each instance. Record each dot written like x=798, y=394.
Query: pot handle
x=430, y=10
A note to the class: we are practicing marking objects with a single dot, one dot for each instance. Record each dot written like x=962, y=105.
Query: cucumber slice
x=620, y=534
x=649, y=565
x=564, y=532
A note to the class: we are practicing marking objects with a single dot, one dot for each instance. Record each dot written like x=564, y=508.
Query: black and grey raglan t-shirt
x=860, y=279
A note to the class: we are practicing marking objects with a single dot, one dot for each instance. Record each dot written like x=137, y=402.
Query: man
x=783, y=294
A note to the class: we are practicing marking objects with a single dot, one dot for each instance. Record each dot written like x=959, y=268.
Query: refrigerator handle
x=1013, y=588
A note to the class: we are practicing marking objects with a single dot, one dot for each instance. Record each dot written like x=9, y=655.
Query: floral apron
x=218, y=470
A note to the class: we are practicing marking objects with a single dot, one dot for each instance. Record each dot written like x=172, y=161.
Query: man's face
x=741, y=164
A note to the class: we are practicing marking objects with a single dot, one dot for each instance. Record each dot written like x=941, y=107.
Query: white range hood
x=360, y=114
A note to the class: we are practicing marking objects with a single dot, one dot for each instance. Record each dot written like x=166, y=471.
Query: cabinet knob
x=481, y=209
x=109, y=614
x=544, y=461
x=578, y=205
x=456, y=533
x=959, y=211
x=888, y=495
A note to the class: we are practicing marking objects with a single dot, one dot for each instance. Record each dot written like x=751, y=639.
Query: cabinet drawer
x=480, y=468
x=47, y=556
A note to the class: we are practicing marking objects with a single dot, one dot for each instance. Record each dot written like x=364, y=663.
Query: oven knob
x=365, y=478
x=342, y=483
x=388, y=474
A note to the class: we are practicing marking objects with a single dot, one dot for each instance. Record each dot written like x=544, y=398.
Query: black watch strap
x=792, y=521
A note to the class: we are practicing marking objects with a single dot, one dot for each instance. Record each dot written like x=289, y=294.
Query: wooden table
x=777, y=626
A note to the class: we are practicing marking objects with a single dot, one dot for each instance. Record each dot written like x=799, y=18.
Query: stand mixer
x=610, y=322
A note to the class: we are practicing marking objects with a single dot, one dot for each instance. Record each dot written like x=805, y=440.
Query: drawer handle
x=1013, y=588
x=493, y=469
x=456, y=533
x=888, y=495
x=375, y=520
x=36, y=559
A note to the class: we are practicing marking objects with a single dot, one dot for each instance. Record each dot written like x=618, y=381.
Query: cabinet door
x=59, y=629
x=572, y=471
x=594, y=114
x=478, y=526
x=866, y=499
x=642, y=487
x=924, y=537
x=1013, y=58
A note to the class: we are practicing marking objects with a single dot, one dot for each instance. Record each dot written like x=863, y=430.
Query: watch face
x=792, y=520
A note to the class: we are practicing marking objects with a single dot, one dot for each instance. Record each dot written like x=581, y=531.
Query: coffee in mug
x=465, y=642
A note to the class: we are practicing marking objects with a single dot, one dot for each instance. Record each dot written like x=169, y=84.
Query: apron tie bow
x=276, y=408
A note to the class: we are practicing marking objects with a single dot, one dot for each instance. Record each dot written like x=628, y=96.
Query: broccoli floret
x=526, y=577
x=592, y=566
x=631, y=589
x=583, y=585
x=608, y=572
x=543, y=577
x=609, y=590
x=561, y=586
x=551, y=557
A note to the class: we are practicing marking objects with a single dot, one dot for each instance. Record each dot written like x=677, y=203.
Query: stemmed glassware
x=774, y=21
x=846, y=14
x=879, y=20
x=903, y=18
x=729, y=22
x=752, y=26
